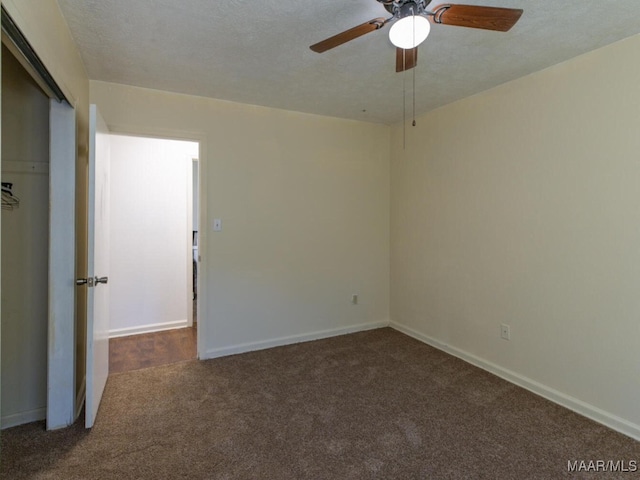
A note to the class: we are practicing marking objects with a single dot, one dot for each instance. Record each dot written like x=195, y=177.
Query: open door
x=98, y=265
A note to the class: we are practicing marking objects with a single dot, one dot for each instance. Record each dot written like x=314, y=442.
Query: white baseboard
x=594, y=413
x=80, y=398
x=156, y=327
x=21, y=418
x=278, y=342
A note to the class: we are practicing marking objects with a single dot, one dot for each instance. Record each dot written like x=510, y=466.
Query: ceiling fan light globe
x=410, y=31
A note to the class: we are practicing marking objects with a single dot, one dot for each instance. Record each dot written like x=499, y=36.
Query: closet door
x=98, y=265
x=62, y=237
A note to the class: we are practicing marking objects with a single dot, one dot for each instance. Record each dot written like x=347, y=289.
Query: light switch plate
x=217, y=225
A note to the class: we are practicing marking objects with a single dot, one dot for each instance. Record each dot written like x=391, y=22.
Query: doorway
x=153, y=271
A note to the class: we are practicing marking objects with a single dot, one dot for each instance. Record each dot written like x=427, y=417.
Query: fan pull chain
x=414, y=97
x=404, y=103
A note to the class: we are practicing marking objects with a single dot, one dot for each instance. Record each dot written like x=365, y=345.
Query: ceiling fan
x=411, y=25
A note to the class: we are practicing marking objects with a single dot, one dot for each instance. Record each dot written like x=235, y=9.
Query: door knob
x=92, y=281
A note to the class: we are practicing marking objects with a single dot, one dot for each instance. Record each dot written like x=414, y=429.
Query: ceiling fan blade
x=406, y=59
x=474, y=16
x=348, y=35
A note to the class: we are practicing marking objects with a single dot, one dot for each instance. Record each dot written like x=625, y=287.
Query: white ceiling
x=258, y=52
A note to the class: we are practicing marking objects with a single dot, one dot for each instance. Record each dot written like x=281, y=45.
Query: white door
x=61, y=367
x=98, y=265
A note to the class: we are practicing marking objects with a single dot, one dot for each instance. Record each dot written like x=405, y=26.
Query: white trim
x=201, y=279
x=189, y=229
x=23, y=417
x=278, y=342
x=594, y=413
x=155, y=327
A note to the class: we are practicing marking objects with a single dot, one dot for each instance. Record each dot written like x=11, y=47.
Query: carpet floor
x=374, y=404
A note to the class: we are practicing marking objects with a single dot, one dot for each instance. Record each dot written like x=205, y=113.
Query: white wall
x=304, y=202
x=150, y=236
x=520, y=206
x=25, y=233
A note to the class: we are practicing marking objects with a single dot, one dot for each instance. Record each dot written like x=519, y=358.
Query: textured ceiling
x=258, y=52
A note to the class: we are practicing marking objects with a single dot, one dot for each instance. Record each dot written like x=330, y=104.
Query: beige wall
x=520, y=206
x=514, y=206
x=43, y=25
x=304, y=202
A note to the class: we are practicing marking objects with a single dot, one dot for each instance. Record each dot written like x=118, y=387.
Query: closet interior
x=25, y=240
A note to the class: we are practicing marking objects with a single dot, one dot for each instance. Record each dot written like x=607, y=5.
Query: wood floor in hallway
x=152, y=349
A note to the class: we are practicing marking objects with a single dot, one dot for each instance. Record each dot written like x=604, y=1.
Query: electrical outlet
x=505, y=331
x=354, y=298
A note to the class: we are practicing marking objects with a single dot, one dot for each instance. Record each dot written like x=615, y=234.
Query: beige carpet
x=375, y=404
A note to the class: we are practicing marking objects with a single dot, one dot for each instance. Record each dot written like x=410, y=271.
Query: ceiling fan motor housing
x=402, y=8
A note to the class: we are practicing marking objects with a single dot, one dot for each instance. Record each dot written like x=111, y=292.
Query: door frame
x=195, y=167
x=200, y=138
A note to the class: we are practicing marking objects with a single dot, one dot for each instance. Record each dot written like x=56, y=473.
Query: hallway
x=152, y=349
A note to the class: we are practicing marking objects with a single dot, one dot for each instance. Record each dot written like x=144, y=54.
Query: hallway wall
x=150, y=252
